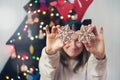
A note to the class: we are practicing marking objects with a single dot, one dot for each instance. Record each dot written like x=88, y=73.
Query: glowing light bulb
x=36, y=36
x=33, y=57
x=52, y=14
x=30, y=4
x=35, y=1
x=70, y=11
x=57, y=14
x=44, y=12
x=7, y=77
x=19, y=38
x=11, y=41
x=24, y=74
x=61, y=17
x=69, y=16
x=18, y=56
x=18, y=33
x=31, y=69
x=32, y=38
x=42, y=23
x=12, y=79
x=38, y=10
x=37, y=58
x=35, y=12
x=52, y=9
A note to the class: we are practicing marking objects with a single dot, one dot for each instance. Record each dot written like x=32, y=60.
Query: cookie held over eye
x=85, y=34
x=64, y=33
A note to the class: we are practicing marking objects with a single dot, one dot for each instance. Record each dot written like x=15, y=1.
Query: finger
x=58, y=26
x=53, y=29
x=87, y=45
x=47, y=29
x=95, y=30
x=101, y=31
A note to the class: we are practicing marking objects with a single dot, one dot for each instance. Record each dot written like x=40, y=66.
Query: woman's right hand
x=53, y=44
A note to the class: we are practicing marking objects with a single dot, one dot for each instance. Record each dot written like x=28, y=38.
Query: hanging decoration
x=31, y=49
x=24, y=67
x=13, y=53
x=36, y=20
x=29, y=18
x=80, y=6
x=52, y=23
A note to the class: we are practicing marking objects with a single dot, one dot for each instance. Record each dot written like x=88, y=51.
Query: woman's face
x=73, y=48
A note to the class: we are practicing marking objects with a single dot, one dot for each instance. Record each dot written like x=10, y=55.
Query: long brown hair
x=82, y=59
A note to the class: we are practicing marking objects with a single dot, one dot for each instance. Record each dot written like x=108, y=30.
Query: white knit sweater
x=51, y=69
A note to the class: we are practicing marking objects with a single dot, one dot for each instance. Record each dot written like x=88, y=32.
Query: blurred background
x=104, y=13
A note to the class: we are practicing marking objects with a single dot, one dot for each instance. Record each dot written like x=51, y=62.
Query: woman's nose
x=73, y=44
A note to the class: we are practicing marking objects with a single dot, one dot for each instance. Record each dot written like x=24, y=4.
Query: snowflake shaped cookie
x=64, y=33
x=85, y=34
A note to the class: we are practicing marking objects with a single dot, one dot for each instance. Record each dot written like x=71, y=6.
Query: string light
x=35, y=1
x=38, y=10
x=36, y=69
x=52, y=9
x=69, y=16
x=31, y=69
x=27, y=71
x=42, y=23
x=24, y=74
x=44, y=12
x=33, y=57
x=52, y=14
x=44, y=28
x=18, y=33
x=18, y=77
x=29, y=11
x=18, y=56
x=30, y=4
x=57, y=14
x=35, y=12
x=40, y=26
x=70, y=11
x=37, y=58
x=19, y=38
x=36, y=36
x=7, y=77
x=11, y=41
x=32, y=38
x=72, y=17
x=61, y=17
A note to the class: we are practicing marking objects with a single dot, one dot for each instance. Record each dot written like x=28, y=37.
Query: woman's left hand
x=96, y=45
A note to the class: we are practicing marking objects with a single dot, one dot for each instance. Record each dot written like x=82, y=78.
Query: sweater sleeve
x=48, y=65
x=96, y=69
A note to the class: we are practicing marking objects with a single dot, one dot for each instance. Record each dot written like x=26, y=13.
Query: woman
x=73, y=60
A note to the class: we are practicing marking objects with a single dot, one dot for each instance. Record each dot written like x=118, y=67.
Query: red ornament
x=80, y=6
x=43, y=5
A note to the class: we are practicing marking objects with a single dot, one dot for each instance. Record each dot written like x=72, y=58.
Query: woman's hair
x=82, y=59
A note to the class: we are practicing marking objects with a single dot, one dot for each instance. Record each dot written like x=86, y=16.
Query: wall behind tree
x=11, y=15
x=102, y=12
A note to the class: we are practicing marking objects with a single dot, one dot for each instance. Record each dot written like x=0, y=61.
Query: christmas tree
x=28, y=40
